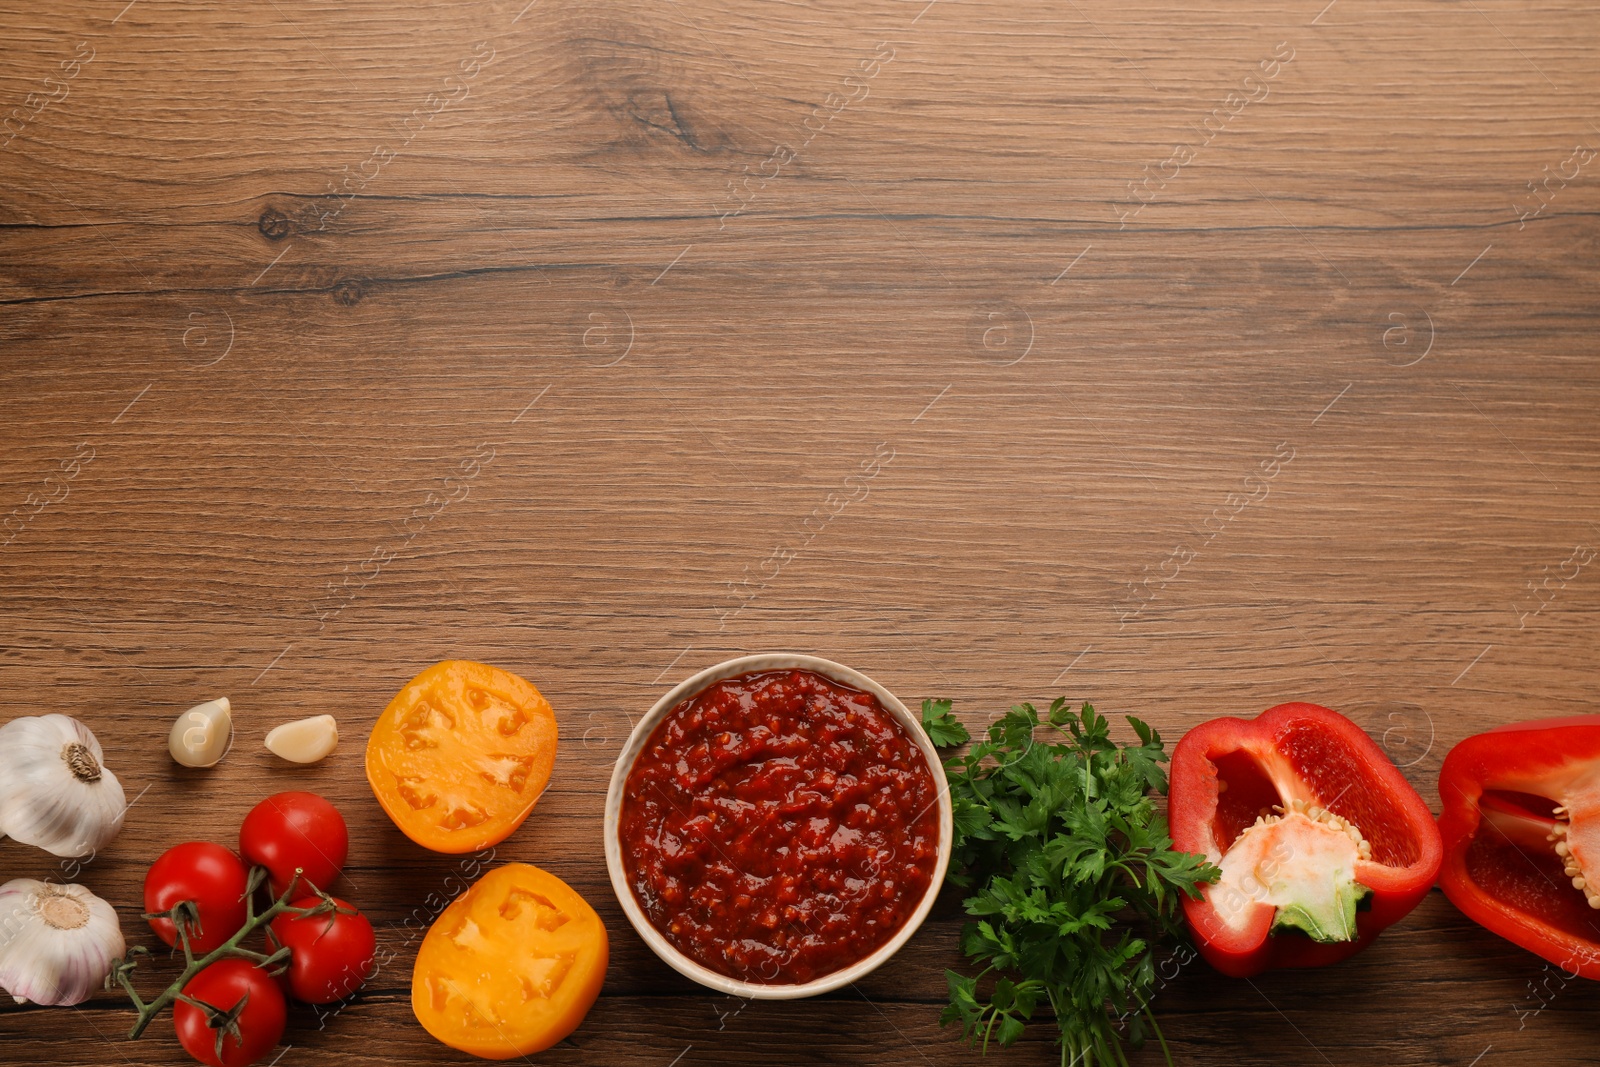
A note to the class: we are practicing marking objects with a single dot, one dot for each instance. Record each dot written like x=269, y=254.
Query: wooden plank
x=662, y=277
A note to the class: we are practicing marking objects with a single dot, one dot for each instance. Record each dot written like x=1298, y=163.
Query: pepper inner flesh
x=1572, y=867
x=1301, y=860
x=1576, y=837
x=1572, y=829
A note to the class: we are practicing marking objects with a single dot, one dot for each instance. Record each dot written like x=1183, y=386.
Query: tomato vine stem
x=186, y=913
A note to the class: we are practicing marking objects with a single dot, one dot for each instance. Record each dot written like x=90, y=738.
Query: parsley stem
x=1063, y=845
x=1166, y=1053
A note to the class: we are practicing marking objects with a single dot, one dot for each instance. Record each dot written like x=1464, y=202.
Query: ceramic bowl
x=768, y=661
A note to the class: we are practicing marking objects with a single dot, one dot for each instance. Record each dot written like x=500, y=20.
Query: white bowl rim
x=748, y=664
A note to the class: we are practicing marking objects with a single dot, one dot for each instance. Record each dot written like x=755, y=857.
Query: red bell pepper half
x=1321, y=840
x=1521, y=828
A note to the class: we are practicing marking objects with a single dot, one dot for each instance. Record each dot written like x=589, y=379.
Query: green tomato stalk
x=185, y=915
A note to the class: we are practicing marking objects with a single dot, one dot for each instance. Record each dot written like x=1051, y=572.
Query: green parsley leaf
x=1075, y=884
x=944, y=729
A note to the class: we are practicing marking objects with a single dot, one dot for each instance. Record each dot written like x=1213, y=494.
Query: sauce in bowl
x=778, y=826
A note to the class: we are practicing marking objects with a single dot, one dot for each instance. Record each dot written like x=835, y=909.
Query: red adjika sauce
x=779, y=826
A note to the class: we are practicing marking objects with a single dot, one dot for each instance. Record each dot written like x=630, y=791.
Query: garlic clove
x=201, y=736
x=55, y=792
x=304, y=740
x=57, y=943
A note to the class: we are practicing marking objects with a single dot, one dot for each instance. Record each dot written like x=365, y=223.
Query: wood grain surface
x=1206, y=359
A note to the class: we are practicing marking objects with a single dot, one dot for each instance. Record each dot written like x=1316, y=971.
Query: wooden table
x=1200, y=361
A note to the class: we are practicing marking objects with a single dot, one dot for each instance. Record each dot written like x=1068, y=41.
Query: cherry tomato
x=211, y=876
x=330, y=954
x=222, y=985
x=292, y=830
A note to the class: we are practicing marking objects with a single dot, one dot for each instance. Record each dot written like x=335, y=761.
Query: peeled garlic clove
x=304, y=740
x=54, y=791
x=57, y=942
x=201, y=736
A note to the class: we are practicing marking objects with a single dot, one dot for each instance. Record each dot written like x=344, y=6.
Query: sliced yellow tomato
x=512, y=966
x=461, y=754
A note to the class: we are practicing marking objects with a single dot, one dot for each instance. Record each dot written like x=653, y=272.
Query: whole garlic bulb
x=57, y=942
x=54, y=792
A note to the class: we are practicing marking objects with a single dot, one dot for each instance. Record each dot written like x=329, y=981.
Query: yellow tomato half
x=512, y=966
x=461, y=754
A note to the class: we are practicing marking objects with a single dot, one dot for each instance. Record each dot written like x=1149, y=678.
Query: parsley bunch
x=1076, y=881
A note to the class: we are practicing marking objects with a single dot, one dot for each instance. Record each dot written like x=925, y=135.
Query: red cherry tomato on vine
x=259, y=1025
x=330, y=954
x=292, y=830
x=211, y=876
